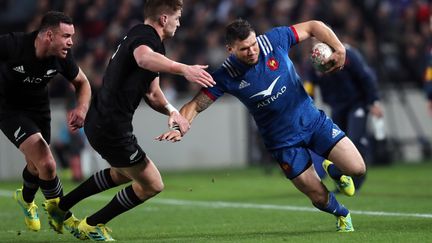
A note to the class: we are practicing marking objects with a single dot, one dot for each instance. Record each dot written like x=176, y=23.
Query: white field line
x=220, y=204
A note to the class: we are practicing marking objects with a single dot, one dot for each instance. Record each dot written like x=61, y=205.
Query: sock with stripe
x=30, y=185
x=334, y=207
x=98, y=182
x=52, y=188
x=123, y=201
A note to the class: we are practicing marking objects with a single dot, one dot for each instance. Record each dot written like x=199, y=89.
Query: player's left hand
x=76, y=118
x=172, y=135
x=337, y=59
x=376, y=109
x=177, y=119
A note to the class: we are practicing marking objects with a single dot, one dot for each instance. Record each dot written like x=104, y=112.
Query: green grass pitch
x=395, y=205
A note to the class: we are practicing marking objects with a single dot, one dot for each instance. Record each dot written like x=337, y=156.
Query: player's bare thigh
x=147, y=180
x=310, y=184
x=347, y=158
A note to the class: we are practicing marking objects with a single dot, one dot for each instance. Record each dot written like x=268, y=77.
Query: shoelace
x=32, y=210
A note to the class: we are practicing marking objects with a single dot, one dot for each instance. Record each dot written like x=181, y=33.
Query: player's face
x=246, y=50
x=172, y=23
x=61, y=40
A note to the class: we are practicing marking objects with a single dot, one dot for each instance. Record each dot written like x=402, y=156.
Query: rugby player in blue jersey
x=260, y=74
x=350, y=108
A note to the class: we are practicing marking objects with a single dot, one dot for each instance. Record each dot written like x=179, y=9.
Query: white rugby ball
x=320, y=52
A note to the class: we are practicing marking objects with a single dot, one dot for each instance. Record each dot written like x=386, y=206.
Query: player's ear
x=229, y=48
x=50, y=35
x=163, y=19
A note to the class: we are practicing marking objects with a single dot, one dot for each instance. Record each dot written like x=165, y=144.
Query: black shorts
x=19, y=125
x=118, y=146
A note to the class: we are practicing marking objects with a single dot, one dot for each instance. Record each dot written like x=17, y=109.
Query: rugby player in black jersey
x=132, y=74
x=28, y=61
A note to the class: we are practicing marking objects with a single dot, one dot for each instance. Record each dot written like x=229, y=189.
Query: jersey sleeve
x=8, y=46
x=283, y=36
x=69, y=67
x=147, y=37
x=217, y=90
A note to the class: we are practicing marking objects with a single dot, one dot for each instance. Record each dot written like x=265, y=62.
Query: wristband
x=170, y=108
x=175, y=127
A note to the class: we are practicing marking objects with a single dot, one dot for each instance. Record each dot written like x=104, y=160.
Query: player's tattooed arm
x=202, y=101
x=199, y=103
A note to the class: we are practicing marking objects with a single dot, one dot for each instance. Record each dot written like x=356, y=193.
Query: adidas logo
x=335, y=132
x=243, y=84
x=19, y=69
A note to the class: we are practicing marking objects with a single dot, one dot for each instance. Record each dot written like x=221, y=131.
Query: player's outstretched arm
x=190, y=110
x=77, y=116
x=146, y=58
x=324, y=34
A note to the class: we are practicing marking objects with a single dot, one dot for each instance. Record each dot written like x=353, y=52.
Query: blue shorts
x=295, y=159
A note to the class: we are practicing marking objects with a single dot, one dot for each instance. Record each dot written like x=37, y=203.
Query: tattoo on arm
x=202, y=101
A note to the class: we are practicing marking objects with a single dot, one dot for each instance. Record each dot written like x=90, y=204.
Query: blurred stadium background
x=393, y=35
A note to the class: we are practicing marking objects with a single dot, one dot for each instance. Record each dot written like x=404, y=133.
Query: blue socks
x=333, y=207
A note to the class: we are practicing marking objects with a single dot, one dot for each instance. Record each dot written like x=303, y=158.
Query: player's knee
x=151, y=190
x=359, y=170
x=157, y=188
x=47, y=167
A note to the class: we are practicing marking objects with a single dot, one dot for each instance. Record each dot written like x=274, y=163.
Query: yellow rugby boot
x=31, y=216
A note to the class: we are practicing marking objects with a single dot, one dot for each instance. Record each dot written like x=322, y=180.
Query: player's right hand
x=197, y=74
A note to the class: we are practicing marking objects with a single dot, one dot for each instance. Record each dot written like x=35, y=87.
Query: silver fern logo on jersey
x=132, y=157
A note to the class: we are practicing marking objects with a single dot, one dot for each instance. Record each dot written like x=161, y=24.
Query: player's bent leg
x=310, y=184
x=147, y=179
x=37, y=150
x=347, y=158
x=147, y=183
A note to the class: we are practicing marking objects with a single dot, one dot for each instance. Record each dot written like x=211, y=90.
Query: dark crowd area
x=393, y=35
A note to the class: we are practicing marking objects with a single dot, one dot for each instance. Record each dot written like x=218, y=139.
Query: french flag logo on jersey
x=273, y=64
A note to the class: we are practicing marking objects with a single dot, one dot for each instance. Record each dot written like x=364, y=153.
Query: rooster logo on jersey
x=272, y=63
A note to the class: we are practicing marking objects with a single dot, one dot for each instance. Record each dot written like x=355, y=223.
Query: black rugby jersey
x=24, y=77
x=124, y=82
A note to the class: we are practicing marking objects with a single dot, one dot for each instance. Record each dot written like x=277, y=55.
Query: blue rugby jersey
x=271, y=90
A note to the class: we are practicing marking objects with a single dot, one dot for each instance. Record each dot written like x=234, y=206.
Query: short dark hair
x=154, y=8
x=52, y=19
x=239, y=29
